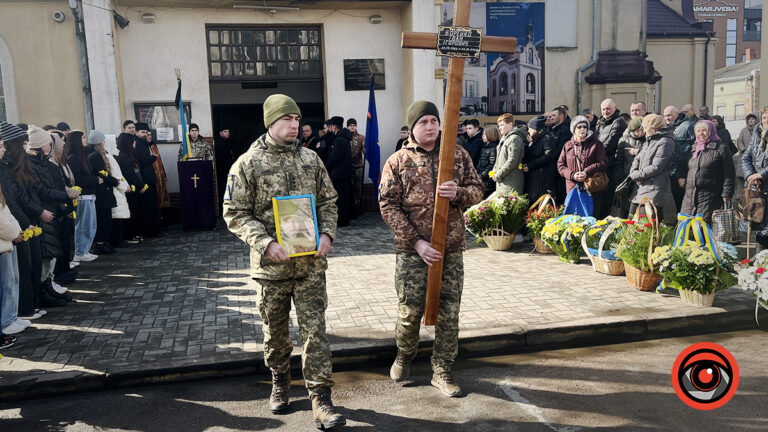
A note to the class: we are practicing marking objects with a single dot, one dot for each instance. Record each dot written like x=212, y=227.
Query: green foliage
x=635, y=242
x=497, y=211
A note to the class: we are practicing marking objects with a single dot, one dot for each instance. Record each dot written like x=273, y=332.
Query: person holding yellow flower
x=508, y=169
x=85, y=223
x=105, y=197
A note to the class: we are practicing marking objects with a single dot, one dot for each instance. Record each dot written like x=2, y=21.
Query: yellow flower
x=602, y=222
x=27, y=234
x=491, y=173
x=74, y=215
x=77, y=188
x=104, y=172
x=133, y=188
x=593, y=231
x=38, y=231
x=145, y=188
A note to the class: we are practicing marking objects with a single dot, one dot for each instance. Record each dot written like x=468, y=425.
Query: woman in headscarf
x=711, y=177
x=754, y=165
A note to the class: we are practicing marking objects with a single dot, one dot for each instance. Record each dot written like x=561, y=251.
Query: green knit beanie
x=278, y=105
x=418, y=110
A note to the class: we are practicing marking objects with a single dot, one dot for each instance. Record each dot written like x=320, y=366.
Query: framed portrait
x=296, y=224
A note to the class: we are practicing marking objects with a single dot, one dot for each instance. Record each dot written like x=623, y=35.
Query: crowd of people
x=678, y=160
x=67, y=197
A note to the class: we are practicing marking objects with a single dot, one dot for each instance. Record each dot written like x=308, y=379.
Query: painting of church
x=515, y=80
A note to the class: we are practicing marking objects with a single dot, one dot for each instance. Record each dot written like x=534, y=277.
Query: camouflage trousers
x=357, y=187
x=411, y=285
x=309, y=296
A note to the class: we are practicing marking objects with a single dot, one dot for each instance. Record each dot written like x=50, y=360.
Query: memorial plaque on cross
x=458, y=42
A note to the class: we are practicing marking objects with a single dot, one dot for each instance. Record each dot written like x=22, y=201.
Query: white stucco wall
x=101, y=65
x=178, y=39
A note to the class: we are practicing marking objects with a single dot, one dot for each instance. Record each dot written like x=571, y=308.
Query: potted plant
x=600, y=243
x=752, y=278
x=535, y=220
x=636, y=244
x=563, y=235
x=497, y=219
x=695, y=271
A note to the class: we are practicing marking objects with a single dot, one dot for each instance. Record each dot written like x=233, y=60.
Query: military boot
x=281, y=384
x=400, y=368
x=325, y=414
x=444, y=381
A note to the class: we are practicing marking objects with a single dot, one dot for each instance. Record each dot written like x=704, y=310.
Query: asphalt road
x=623, y=387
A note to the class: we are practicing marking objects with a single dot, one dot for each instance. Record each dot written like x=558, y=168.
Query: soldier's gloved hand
x=427, y=254
x=325, y=245
x=276, y=253
x=448, y=190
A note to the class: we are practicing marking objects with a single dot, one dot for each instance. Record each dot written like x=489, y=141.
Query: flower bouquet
x=537, y=217
x=697, y=271
x=497, y=219
x=563, y=235
x=600, y=243
x=752, y=277
x=636, y=244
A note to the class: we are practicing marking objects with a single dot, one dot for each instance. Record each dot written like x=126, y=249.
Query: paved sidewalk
x=181, y=307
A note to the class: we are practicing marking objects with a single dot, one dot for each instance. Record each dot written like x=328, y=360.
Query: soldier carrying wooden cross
x=422, y=202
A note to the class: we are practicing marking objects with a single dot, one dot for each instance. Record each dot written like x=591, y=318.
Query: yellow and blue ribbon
x=702, y=234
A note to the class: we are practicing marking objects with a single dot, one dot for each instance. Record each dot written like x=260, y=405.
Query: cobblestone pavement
x=185, y=298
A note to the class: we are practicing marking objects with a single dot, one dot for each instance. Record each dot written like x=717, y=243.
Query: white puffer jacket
x=9, y=229
x=121, y=211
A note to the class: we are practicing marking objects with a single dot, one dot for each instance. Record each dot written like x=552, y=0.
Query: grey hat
x=96, y=137
x=10, y=132
x=575, y=122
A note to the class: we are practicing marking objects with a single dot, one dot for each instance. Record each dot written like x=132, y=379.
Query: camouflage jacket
x=358, y=150
x=269, y=170
x=200, y=149
x=407, y=196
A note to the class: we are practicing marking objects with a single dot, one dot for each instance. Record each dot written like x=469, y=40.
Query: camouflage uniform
x=358, y=154
x=407, y=201
x=267, y=170
x=200, y=149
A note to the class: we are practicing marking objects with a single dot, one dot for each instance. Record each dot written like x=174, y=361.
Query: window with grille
x=264, y=53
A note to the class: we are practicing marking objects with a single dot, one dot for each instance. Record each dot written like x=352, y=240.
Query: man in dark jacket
x=224, y=158
x=561, y=131
x=539, y=160
x=684, y=139
x=339, y=166
x=149, y=219
x=610, y=128
x=474, y=144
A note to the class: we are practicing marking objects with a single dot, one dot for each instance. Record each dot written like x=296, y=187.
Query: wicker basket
x=695, y=298
x=606, y=266
x=498, y=239
x=642, y=280
x=541, y=247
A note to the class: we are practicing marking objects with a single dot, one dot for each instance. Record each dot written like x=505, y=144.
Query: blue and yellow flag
x=186, y=149
x=372, y=147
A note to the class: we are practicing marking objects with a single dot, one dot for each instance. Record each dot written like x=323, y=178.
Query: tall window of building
x=730, y=43
x=530, y=83
x=3, y=115
x=503, y=84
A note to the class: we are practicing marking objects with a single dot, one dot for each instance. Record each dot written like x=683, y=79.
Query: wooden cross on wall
x=455, y=41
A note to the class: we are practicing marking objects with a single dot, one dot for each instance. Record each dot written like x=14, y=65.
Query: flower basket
x=497, y=239
x=642, y=280
x=599, y=243
x=695, y=298
x=497, y=219
x=563, y=235
x=541, y=247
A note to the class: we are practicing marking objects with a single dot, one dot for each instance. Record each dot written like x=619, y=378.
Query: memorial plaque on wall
x=357, y=74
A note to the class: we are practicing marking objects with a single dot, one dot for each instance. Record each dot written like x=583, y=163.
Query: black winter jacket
x=105, y=198
x=609, y=132
x=541, y=158
x=711, y=178
x=146, y=159
x=83, y=177
x=474, y=147
x=14, y=195
x=339, y=161
x=485, y=165
x=52, y=196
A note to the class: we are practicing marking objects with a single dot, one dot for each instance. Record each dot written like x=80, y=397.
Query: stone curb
x=473, y=343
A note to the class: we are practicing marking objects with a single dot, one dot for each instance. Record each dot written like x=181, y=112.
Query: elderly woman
x=650, y=168
x=754, y=165
x=582, y=157
x=488, y=158
x=711, y=177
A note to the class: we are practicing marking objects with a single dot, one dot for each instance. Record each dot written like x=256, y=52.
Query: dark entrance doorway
x=246, y=121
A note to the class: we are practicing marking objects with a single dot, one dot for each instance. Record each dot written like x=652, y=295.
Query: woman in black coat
x=85, y=222
x=539, y=160
x=487, y=159
x=105, y=197
x=130, y=167
x=711, y=176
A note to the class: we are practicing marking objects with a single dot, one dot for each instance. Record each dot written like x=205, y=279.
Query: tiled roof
x=663, y=21
x=738, y=70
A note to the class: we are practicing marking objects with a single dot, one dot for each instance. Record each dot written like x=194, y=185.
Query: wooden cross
x=195, y=178
x=450, y=122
